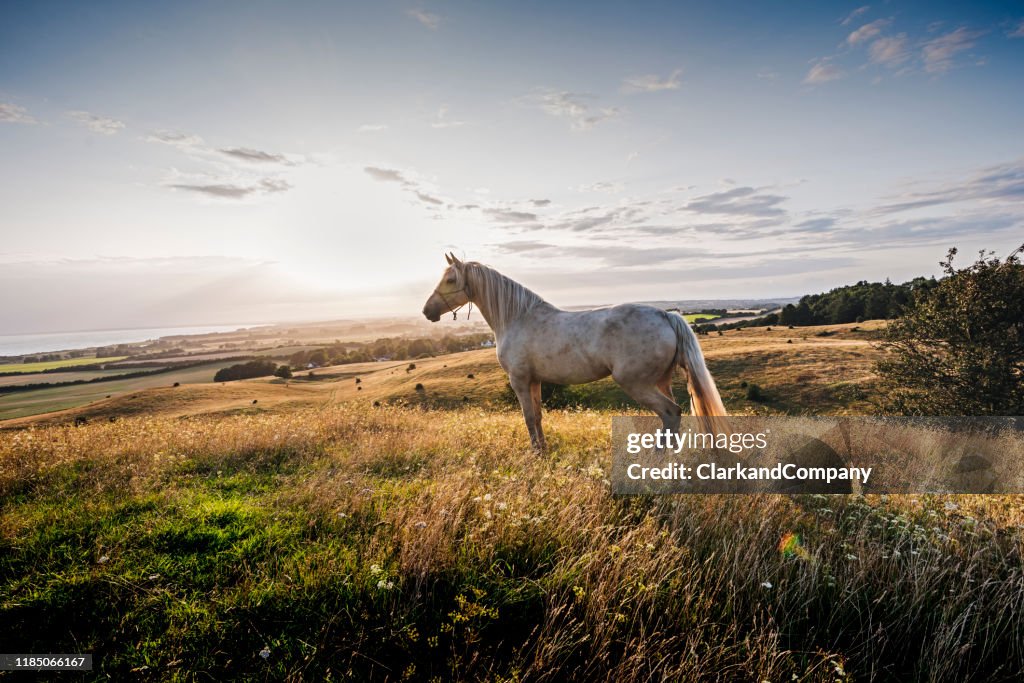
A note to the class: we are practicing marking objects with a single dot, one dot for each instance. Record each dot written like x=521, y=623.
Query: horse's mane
x=500, y=298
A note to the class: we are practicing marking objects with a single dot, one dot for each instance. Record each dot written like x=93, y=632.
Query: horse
x=638, y=345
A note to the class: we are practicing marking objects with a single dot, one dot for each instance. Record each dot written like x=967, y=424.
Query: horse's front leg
x=524, y=392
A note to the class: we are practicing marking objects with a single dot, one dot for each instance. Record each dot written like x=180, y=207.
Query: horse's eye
x=451, y=280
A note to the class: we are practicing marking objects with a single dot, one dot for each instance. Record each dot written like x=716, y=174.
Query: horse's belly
x=570, y=371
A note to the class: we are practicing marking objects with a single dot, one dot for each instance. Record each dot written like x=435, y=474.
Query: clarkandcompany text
x=712, y=471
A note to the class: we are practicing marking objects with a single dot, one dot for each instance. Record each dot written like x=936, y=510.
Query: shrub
x=754, y=393
x=254, y=368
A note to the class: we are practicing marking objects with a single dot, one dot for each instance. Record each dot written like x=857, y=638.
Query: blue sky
x=189, y=163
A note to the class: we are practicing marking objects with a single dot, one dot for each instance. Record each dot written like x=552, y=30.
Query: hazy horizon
x=187, y=164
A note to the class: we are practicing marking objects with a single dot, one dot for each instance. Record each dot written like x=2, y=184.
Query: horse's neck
x=500, y=314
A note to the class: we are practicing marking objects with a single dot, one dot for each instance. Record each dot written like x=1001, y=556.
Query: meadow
x=343, y=530
x=354, y=542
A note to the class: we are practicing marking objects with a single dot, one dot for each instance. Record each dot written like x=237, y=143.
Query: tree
x=283, y=371
x=959, y=348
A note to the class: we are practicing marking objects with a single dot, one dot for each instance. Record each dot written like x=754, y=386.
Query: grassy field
x=357, y=543
x=54, y=364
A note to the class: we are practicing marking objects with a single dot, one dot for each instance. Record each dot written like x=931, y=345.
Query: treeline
x=390, y=348
x=254, y=368
x=849, y=304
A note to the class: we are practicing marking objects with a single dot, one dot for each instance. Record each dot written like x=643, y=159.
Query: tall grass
x=395, y=543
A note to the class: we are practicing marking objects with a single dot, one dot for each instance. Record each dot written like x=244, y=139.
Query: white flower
x=104, y=559
x=375, y=569
x=950, y=506
x=501, y=506
x=385, y=585
x=487, y=496
x=767, y=585
x=851, y=557
x=265, y=653
x=420, y=525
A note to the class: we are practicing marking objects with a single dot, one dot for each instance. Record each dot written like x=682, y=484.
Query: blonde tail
x=704, y=398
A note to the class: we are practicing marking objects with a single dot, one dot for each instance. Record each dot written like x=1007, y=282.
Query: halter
x=455, y=311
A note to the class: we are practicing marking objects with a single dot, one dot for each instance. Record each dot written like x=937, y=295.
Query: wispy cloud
x=653, y=83
x=255, y=156
x=854, y=14
x=174, y=138
x=1003, y=183
x=822, y=71
x=1017, y=32
x=97, y=124
x=230, y=190
x=387, y=175
x=602, y=186
x=739, y=201
x=575, y=107
x=12, y=113
x=890, y=51
x=867, y=31
x=938, y=54
x=428, y=19
x=372, y=127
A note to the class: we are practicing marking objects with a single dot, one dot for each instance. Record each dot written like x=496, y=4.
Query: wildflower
x=501, y=506
x=265, y=653
x=375, y=569
x=851, y=557
x=385, y=585
x=766, y=585
x=487, y=496
x=342, y=515
x=420, y=525
x=104, y=559
x=154, y=577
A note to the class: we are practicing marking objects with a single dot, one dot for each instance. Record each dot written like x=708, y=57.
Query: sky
x=239, y=162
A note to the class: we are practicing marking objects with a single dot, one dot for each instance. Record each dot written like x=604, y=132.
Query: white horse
x=639, y=346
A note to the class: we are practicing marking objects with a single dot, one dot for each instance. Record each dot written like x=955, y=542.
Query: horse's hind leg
x=538, y=412
x=652, y=396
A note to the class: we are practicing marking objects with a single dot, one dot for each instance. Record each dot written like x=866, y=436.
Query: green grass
x=50, y=365
x=708, y=317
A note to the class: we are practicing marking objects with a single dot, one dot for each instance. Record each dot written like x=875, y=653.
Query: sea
x=20, y=344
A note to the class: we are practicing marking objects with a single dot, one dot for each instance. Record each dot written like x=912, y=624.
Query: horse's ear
x=448, y=258
x=454, y=260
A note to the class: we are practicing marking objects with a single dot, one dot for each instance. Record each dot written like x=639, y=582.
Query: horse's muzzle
x=432, y=316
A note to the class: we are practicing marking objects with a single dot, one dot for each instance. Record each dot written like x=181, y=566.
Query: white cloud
x=428, y=19
x=574, y=106
x=97, y=124
x=823, y=71
x=938, y=54
x=372, y=127
x=867, y=31
x=653, y=83
x=1017, y=32
x=855, y=13
x=889, y=50
x=12, y=113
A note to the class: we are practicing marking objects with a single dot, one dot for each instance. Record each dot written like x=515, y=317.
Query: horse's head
x=450, y=292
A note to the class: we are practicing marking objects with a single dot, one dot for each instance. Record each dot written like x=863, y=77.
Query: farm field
x=55, y=377
x=48, y=400
x=52, y=365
